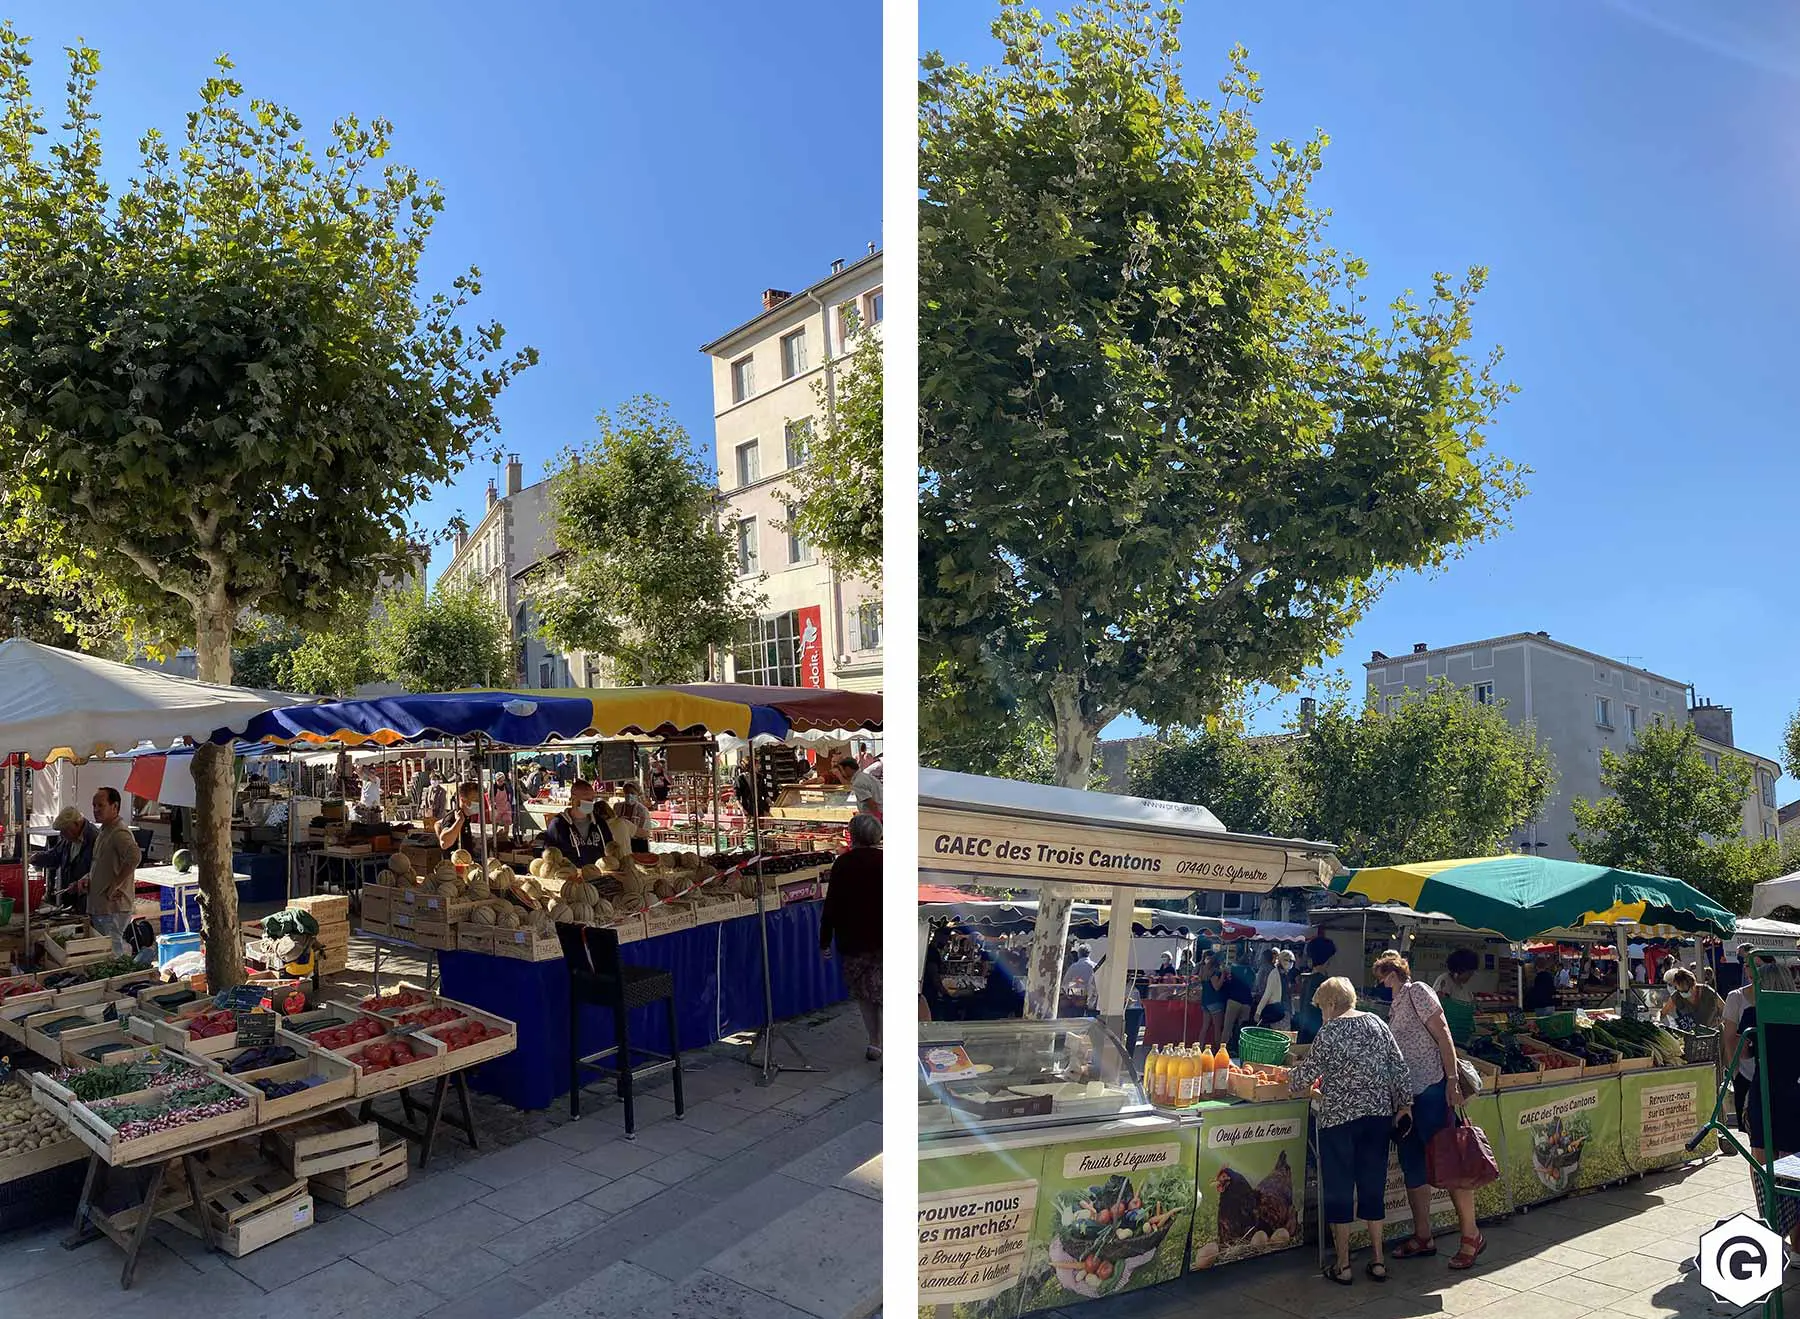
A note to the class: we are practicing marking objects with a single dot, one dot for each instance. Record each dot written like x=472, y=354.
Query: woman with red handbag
x=1417, y=1020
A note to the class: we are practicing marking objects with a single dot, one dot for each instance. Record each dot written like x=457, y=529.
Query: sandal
x=1414, y=1248
x=1471, y=1251
x=1376, y=1270
x=1342, y=1276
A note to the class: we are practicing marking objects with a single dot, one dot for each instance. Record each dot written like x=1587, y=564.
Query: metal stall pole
x=481, y=812
x=768, y=1068
x=24, y=857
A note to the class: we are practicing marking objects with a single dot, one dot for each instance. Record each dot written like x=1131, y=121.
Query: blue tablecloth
x=718, y=990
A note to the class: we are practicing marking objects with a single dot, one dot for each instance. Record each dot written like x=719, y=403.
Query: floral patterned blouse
x=1362, y=1070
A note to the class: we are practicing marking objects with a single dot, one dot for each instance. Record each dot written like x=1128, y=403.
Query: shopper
x=69, y=858
x=500, y=805
x=1739, y=1002
x=577, y=832
x=1417, y=1020
x=463, y=827
x=1271, y=992
x=1239, y=1000
x=1078, y=979
x=851, y=918
x=1694, y=1006
x=111, y=881
x=864, y=786
x=1363, y=1089
x=1459, y=969
x=416, y=793
x=1212, y=1000
x=660, y=783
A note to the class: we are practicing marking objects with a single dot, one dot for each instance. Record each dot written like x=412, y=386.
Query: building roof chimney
x=871, y=249
x=1375, y=655
x=493, y=494
x=837, y=266
x=773, y=298
x=1419, y=647
x=515, y=475
x=1309, y=711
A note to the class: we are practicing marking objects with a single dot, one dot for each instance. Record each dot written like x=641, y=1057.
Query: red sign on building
x=811, y=647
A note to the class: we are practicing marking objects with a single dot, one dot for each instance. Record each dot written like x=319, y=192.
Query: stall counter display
x=1252, y=1182
x=998, y=1075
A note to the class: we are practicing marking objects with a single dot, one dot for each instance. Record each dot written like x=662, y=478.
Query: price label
x=255, y=1027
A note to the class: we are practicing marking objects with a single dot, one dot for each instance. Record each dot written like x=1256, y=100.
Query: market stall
x=732, y=927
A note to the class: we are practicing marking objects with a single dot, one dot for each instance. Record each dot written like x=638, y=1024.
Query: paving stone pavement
x=719, y=1214
x=1613, y=1254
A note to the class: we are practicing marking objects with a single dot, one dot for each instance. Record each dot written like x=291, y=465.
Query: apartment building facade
x=1582, y=704
x=774, y=384
x=516, y=532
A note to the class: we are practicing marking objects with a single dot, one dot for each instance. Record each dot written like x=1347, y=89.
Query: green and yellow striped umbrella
x=1520, y=897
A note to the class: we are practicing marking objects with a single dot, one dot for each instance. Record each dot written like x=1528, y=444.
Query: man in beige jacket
x=112, y=879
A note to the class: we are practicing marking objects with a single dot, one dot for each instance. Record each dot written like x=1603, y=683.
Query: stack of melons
x=400, y=870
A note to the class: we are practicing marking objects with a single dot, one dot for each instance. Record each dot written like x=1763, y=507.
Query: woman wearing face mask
x=633, y=811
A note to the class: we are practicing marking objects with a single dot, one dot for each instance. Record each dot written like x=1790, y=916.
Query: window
x=1484, y=693
x=793, y=354
x=797, y=433
x=743, y=379
x=1712, y=760
x=1631, y=719
x=1767, y=781
x=868, y=625
x=1232, y=902
x=872, y=308
x=546, y=674
x=798, y=550
x=768, y=652
x=746, y=546
x=1603, y=712
x=1768, y=829
x=749, y=463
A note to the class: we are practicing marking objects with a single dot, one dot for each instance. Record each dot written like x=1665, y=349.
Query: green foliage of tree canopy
x=972, y=730
x=836, y=494
x=332, y=661
x=1670, y=813
x=1168, y=447
x=1439, y=776
x=222, y=374
x=646, y=571
x=442, y=642
x=261, y=657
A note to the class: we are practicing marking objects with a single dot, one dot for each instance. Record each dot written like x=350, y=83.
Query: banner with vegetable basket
x=1559, y=1138
x=1251, y=1193
x=976, y=1215
x=1483, y=1111
x=1659, y=1112
x=1113, y=1215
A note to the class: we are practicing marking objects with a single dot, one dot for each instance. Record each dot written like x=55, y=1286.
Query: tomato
x=1087, y=1265
x=1105, y=1271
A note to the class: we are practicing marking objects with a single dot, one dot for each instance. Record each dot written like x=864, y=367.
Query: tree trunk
x=212, y=810
x=1075, y=735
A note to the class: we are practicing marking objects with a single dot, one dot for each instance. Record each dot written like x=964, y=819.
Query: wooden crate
x=1636, y=1064
x=666, y=917
x=76, y=1043
x=156, y=1002
x=526, y=945
x=337, y=1083
x=325, y=1143
x=14, y=1010
x=82, y=945
x=1489, y=1074
x=133, y=983
x=326, y=908
x=630, y=929
x=362, y=1007
x=50, y=1046
x=29, y=1163
x=267, y=1227
x=1557, y=1065
x=93, y=1131
x=472, y=938
x=1256, y=1089
x=173, y=1031
x=350, y=1186
x=398, y=1078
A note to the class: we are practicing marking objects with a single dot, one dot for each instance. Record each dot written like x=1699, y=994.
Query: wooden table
x=129, y=1227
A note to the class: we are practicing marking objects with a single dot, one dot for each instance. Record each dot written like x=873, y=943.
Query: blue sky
x=628, y=177
x=1630, y=171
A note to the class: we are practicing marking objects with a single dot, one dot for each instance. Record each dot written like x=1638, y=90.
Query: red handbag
x=1458, y=1157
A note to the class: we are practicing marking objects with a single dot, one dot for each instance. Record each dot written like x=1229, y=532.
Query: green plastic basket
x=1257, y=1044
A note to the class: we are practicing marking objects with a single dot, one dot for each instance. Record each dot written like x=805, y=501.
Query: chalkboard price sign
x=255, y=1027
x=618, y=761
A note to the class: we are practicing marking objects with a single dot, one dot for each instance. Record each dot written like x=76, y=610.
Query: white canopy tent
x=60, y=705
x=1772, y=893
x=1069, y=845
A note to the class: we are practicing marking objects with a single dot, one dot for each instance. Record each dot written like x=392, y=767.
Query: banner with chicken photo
x=1113, y=1216
x=1252, y=1182
x=1557, y=1139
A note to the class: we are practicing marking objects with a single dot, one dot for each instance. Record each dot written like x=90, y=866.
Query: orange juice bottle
x=1152, y=1075
x=1206, y=1074
x=1184, y=1092
x=1215, y=1068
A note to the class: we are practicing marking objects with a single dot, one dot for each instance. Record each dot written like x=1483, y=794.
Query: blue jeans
x=1430, y=1115
x=1353, y=1160
x=114, y=924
